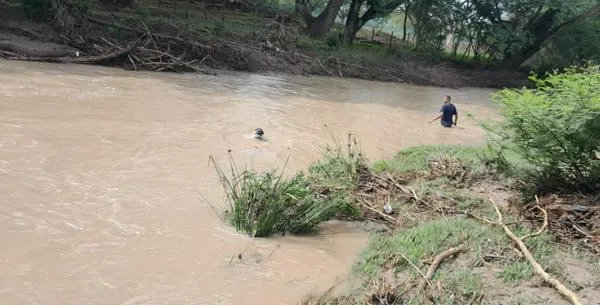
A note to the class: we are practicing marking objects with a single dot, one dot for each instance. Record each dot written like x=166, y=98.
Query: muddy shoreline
x=131, y=47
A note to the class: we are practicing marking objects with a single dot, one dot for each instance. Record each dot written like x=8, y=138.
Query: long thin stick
x=544, y=226
x=562, y=289
x=413, y=265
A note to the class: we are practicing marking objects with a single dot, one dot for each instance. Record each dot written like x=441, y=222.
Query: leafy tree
x=573, y=45
x=519, y=29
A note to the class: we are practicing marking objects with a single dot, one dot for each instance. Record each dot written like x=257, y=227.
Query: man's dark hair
x=449, y=98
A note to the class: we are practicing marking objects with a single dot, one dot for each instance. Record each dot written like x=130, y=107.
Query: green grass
x=427, y=240
x=464, y=281
x=431, y=238
x=416, y=159
x=478, y=235
x=543, y=251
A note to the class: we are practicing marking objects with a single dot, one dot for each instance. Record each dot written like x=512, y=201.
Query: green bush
x=38, y=10
x=555, y=128
x=262, y=204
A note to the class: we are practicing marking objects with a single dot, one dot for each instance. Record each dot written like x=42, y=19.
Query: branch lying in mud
x=436, y=263
x=562, y=289
x=77, y=60
x=323, y=67
x=71, y=60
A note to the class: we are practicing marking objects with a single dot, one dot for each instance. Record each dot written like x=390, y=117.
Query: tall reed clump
x=262, y=204
x=340, y=168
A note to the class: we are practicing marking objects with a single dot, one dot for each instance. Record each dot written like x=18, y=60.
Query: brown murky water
x=106, y=191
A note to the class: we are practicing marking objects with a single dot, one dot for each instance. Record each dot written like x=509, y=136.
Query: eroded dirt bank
x=257, y=44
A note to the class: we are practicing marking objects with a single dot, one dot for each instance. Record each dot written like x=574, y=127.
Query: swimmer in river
x=258, y=133
x=449, y=114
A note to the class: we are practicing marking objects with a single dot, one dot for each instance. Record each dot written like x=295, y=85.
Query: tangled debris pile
x=375, y=194
x=573, y=219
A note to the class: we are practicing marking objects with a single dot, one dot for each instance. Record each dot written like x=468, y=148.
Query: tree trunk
x=542, y=31
x=405, y=21
x=422, y=24
x=353, y=22
x=319, y=27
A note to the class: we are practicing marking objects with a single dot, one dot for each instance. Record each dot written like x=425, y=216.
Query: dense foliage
x=555, y=128
x=501, y=32
x=39, y=10
x=573, y=45
x=506, y=33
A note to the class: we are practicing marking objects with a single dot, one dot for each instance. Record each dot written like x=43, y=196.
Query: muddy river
x=106, y=194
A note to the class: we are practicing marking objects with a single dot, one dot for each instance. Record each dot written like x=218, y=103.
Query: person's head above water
x=447, y=99
x=259, y=132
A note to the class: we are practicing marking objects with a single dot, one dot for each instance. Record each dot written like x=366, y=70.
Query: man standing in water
x=449, y=114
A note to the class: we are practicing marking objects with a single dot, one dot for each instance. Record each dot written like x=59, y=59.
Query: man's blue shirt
x=448, y=110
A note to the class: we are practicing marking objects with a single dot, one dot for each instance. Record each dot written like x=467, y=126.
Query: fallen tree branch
x=562, y=289
x=436, y=263
x=544, y=226
x=157, y=35
x=183, y=63
x=580, y=230
x=325, y=70
x=132, y=62
x=76, y=60
x=150, y=35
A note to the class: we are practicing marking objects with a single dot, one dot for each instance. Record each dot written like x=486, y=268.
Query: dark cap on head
x=259, y=131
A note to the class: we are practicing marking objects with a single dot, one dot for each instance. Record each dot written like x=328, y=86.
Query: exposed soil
x=168, y=47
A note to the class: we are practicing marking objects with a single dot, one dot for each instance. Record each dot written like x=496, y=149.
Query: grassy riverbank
x=441, y=197
x=455, y=188
x=514, y=222
x=201, y=36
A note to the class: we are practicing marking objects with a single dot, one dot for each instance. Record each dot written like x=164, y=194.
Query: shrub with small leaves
x=555, y=128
